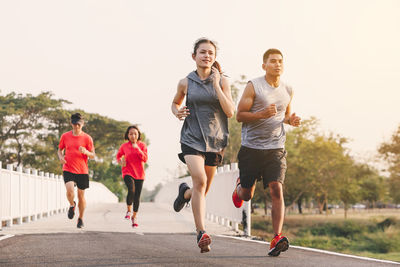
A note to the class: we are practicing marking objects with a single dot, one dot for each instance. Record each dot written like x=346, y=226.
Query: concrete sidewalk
x=152, y=218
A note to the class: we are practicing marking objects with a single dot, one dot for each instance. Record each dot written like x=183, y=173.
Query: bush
x=386, y=223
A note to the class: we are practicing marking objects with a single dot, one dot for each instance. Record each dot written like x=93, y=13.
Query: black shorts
x=210, y=158
x=268, y=164
x=81, y=180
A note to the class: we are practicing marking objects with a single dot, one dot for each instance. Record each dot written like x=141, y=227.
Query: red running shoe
x=203, y=241
x=128, y=215
x=134, y=222
x=278, y=244
x=237, y=201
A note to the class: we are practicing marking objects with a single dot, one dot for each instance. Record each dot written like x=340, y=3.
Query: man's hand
x=62, y=160
x=294, y=120
x=268, y=112
x=83, y=150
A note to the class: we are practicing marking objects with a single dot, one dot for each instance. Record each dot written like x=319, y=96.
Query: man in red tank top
x=74, y=150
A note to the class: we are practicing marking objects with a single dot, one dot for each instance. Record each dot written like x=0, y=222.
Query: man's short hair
x=76, y=118
x=271, y=52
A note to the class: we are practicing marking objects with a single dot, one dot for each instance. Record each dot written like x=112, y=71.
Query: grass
x=369, y=234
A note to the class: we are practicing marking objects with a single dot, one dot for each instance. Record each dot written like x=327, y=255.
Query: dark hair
x=129, y=128
x=76, y=118
x=271, y=52
x=208, y=41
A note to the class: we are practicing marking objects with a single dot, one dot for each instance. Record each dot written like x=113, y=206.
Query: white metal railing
x=27, y=195
x=219, y=206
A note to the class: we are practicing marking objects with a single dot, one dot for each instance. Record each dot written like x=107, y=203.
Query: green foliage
x=390, y=151
x=31, y=127
x=352, y=235
x=235, y=127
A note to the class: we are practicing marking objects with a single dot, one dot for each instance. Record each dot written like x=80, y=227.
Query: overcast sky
x=123, y=59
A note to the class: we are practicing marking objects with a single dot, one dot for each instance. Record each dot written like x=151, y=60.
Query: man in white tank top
x=263, y=108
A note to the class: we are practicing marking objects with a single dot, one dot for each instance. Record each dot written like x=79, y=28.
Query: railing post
x=35, y=208
x=19, y=218
x=10, y=221
x=1, y=206
x=247, y=218
x=41, y=175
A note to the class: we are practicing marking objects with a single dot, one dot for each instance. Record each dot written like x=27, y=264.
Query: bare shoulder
x=182, y=85
x=183, y=82
x=249, y=89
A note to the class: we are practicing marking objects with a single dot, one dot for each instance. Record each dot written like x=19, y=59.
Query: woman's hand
x=182, y=113
x=122, y=161
x=215, y=76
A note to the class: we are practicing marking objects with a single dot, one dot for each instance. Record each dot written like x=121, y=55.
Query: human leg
x=69, y=186
x=130, y=185
x=278, y=206
x=210, y=173
x=196, y=168
x=136, y=200
x=71, y=196
x=81, y=202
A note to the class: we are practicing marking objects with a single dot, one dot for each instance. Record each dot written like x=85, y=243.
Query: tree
x=31, y=127
x=21, y=122
x=390, y=151
x=235, y=127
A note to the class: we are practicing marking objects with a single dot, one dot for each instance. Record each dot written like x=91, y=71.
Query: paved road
x=163, y=238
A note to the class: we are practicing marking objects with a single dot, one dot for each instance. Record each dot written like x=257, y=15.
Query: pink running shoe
x=128, y=215
x=134, y=222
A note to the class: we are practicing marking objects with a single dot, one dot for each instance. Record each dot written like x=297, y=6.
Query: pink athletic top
x=135, y=158
x=76, y=161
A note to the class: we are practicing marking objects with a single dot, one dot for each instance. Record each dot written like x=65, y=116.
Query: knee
x=276, y=190
x=246, y=195
x=200, y=185
x=70, y=193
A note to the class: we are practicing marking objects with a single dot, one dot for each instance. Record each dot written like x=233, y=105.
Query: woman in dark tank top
x=204, y=133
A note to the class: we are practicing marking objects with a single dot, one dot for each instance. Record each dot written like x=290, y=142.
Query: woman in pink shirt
x=131, y=156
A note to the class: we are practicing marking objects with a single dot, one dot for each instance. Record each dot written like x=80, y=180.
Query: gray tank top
x=267, y=133
x=206, y=128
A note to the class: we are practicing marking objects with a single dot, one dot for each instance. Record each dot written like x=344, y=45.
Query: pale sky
x=123, y=59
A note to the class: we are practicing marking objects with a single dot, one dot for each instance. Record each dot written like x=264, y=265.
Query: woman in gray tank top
x=204, y=133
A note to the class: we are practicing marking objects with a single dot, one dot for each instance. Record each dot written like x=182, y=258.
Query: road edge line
x=5, y=237
x=314, y=250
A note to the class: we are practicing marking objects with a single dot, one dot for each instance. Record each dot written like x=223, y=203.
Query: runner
x=204, y=133
x=73, y=151
x=263, y=108
x=131, y=156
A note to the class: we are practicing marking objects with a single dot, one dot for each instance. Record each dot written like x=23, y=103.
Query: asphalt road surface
x=163, y=238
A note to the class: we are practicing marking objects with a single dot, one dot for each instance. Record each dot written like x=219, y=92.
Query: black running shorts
x=210, y=158
x=268, y=164
x=81, y=180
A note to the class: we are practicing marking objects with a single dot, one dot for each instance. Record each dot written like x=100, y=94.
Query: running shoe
x=134, y=222
x=80, y=223
x=278, y=244
x=203, y=241
x=237, y=201
x=180, y=200
x=128, y=215
x=71, y=211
